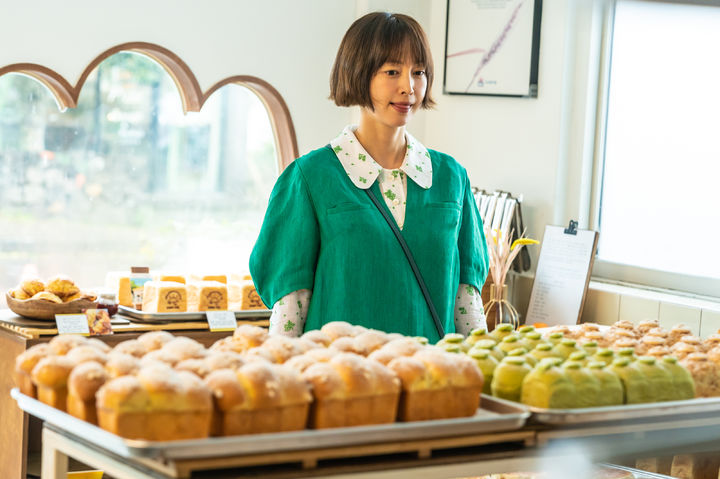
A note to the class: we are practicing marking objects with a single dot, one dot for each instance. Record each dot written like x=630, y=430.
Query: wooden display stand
x=15, y=337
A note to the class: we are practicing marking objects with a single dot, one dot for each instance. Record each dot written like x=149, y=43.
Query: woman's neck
x=385, y=144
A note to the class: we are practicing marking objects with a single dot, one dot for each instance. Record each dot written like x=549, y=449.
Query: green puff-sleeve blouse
x=322, y=233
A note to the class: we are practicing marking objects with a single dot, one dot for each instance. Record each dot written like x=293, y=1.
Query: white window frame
x=686, y=285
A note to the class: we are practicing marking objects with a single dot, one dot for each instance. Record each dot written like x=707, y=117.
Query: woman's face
x=396, y=91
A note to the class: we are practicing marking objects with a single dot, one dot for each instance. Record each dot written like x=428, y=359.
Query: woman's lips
x=402, y=107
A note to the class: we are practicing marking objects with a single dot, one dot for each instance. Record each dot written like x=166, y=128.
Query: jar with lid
x=108, y=301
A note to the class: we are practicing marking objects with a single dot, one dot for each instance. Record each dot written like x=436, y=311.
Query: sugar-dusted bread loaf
x=132, y=347
x=257, y=398
x=350, y=390
x=164, y=297
x=24, y=364
x=436, y=385
x=63, y=343
x=154, y=340
x=395, y=349
x=207, y=296
x=121, y=364
x=247, y=336
x=50, y=375
x=159, y=404
x=338, y=329
x=84, y=381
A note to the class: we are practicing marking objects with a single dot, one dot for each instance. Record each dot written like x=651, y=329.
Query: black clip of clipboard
x=572, y=228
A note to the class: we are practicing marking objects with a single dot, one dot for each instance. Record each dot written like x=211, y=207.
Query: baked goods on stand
x=37, y=299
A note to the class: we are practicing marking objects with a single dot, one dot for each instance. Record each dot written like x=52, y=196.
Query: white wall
x=528, y=146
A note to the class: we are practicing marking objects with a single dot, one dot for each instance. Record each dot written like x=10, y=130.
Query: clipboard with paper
x=562, y=275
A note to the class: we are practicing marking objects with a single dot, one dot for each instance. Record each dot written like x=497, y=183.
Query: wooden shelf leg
x=309, y=463
x=54, y=462
x=424, y=453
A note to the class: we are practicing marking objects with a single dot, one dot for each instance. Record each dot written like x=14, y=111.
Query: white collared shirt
x=289, y=313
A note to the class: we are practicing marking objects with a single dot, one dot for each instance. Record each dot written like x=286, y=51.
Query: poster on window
x=492, y=47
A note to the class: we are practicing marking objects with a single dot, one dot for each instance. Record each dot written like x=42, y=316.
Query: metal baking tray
x=492, y=417
x=668, y=410
x=146, y=317
x=638, y=473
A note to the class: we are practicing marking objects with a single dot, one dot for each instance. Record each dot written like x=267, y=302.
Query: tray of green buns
x=557, y=392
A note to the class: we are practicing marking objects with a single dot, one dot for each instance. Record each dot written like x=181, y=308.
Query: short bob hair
x=370, y=42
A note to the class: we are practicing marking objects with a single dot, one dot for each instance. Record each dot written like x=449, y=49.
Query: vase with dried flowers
x=502, y=253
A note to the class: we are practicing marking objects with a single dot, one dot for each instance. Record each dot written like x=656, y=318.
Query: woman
x=325, y=251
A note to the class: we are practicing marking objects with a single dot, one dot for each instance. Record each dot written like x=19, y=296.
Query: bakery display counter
x=17, y=334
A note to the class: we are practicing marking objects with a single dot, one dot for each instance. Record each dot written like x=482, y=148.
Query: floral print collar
x=363, y=170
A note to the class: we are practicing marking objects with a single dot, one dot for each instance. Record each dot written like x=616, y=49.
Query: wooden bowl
x=43, y=309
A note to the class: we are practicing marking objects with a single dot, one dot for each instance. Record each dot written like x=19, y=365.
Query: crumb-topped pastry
x=705, y=373
x=83, y=383
x=24, y=364
x=247, y=336
x=154, y=340
x=50, y=375
x=338, y=329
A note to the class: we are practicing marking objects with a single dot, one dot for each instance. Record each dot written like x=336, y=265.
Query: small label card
x=221, y=320
x=98, y=321
x=72, y=324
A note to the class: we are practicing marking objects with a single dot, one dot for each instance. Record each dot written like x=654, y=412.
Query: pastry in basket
x=547, y=386
x=635, y=386
x=18, y=293
x=50, y=375
x=682, y=380
x=24, y=364
x=85, y=380
x=611, y=388
x=159, y=404
x=47, y=296
x=154, y=340
x=258, y=398
x=73, y=297
x=350, y=390
x=30, y=287
x=705, y=373
x=62, y=286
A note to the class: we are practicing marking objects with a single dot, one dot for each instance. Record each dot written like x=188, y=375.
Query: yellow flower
x=523, y=241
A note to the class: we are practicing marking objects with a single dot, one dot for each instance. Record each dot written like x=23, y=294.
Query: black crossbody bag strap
x=411, y=260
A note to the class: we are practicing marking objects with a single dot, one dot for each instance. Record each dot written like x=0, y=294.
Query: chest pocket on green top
x=443, y=222
x=349, y=220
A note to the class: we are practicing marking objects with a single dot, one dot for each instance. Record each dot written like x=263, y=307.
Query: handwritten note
x=72, y=324
x=562, y=275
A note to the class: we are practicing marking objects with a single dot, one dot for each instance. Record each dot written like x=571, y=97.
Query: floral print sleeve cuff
x=469, y=313
x=289, y=314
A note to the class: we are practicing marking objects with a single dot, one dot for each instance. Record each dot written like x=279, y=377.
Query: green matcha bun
x=587, y=387
x=611, y=388
x=627, y=353
x=525, y=330
x=487, y=364
x=508, y=378
x=565, y=348
x=454, y=339
x=604, y=355
x=579, y=357
x=555, y=338
x=532, y=340
x=659, y=379
x=547, y=386
x=635, y=386
x=501, y=331
x=509, y=343
x=683, y=383
x=489, y=344
x=522, y=353
x=590, y=347
x=476, y=335
x=543, y=351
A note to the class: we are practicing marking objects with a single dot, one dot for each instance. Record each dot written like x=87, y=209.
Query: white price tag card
x=221, y=320
x=72, y=324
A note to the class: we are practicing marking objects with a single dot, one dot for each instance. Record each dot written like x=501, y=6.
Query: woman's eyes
x=420, y=72
x=396, y=72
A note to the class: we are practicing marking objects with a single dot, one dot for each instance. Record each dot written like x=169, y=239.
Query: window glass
x=127, y=178
x=662, y=154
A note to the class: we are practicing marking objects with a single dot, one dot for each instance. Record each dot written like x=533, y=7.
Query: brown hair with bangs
x=370, y=42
